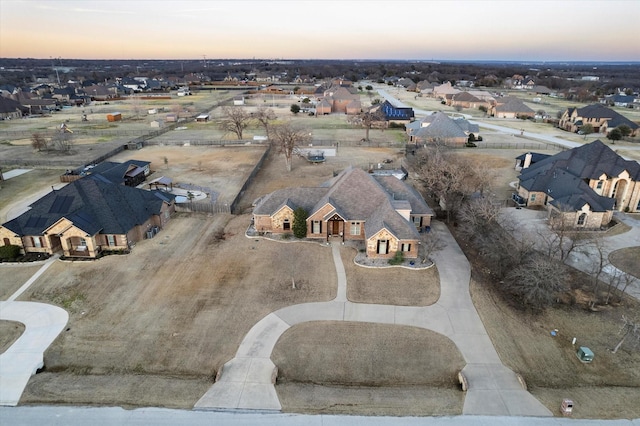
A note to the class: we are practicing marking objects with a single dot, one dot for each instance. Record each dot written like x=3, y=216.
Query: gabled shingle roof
x=354, y=195
x=92, y=205
x=563, y=175
x=442, y=126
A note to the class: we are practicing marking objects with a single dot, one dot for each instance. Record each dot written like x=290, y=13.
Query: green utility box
x=585, y=354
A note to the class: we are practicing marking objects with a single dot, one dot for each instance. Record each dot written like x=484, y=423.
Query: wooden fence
x=203, y=207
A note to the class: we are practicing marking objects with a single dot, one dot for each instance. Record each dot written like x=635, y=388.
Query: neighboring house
x=584, y=185
x=88, y=216
x=10, y=109
x=467, y=100
x=396, y=114
x=601, y=118
x=341, y=99
x=511, y=108
x=441, y=91
x=439, y=127
x=382, y=211
x=129, y=173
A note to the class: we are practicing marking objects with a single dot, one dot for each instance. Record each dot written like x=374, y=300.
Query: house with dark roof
x=396, y=114
x=130, y=173
x=583, y=185
x=601, y=118
x=10, y=109
x=382, y=211
x=88, y=216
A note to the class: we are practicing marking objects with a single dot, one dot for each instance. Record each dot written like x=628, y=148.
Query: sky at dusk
x=242, y=29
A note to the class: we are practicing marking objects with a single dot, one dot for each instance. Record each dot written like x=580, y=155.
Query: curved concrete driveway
x=247, y=380
x=42, y=324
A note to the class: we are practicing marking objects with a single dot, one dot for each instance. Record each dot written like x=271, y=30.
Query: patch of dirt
x=390, y=286
x=10, y=331
x=626, y=259
x=388, y=364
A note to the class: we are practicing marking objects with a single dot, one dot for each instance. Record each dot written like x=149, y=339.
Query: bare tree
x=39, y=142
x=62, y=142
x=234, y=120
x=368, y=118
x=567, y=237
x=429, y=244
x=264, y=116
x=630, y=327
x=537, y=282
x=448, y=177
x=286, y=138
x=136, y=106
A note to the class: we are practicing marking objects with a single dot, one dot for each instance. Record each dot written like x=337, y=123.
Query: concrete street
x=81, y=416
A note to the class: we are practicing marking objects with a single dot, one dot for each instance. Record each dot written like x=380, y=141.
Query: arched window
x=582, y=219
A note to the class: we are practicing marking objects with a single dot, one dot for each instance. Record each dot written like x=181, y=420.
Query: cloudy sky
x=585, y=30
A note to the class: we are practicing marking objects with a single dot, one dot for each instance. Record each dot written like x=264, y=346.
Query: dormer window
x=599, y=185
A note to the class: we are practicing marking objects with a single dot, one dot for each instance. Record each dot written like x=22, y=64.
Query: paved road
x=247, y=380
x=81, y=416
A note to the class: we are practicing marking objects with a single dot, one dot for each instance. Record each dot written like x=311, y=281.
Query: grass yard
x=10, y=331
x=169, y=314
x=627, y=260
x=390, y=286
x=13, y=277
x=391, y=370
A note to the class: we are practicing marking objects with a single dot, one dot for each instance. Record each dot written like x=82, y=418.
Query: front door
x=336, y=227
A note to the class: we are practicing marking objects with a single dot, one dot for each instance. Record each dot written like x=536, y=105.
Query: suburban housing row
x=383, y=211
x=580, y=187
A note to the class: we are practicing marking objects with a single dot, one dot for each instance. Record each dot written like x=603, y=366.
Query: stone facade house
x=583, y=185
x=601, y=118
x=382, y=211
x=88, y=216
x=510, y=107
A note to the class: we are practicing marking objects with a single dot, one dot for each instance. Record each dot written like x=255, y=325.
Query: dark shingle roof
x=563, y=175
x=93, y=206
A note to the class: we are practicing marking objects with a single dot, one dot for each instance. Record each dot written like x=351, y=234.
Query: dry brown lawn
x=391, y=370
x=10, y=331
x=609, y=387
x=13, y=277
x=390, y=286
x=626, y=259
x=168, y=315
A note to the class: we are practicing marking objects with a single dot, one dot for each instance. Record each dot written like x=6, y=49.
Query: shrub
x=295, y=108
x=300, y=222
x=394, y=125
x=397, y=259
x=9, y=252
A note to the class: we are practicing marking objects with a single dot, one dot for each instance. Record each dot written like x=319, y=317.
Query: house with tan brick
x=88, y=216
x=583, y=185
x=601, y=118
x=382, y=211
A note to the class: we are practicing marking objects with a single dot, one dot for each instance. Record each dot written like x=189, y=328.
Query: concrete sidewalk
x=247, y=381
